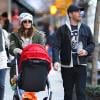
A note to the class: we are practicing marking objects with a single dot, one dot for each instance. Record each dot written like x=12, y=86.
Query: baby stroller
x=32, y=71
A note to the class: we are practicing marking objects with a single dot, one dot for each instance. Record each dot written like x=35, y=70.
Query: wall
x=3, y=5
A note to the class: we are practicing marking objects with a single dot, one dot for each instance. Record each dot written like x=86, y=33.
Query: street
x=55, y=82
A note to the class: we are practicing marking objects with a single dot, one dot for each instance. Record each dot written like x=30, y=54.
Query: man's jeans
x=75, y=76
x=2, y=82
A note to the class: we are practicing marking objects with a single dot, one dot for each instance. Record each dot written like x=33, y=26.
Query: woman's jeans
x=2, y=82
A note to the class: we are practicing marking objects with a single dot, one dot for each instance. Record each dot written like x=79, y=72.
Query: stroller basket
x=33, y=75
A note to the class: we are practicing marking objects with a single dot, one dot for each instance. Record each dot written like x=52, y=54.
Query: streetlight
x=53, y=9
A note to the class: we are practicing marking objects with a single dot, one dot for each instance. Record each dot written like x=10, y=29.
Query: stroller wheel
x=15, y=97
x=49, y=97
x=45, y=98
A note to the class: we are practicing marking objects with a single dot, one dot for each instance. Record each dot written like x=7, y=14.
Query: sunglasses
x=27, y=21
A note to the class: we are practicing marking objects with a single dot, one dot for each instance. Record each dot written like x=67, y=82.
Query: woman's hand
x=17, y=51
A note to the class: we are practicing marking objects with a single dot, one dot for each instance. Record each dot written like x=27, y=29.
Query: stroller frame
x=19, y=94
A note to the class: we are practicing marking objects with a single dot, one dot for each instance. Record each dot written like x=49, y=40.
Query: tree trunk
x=96, y=34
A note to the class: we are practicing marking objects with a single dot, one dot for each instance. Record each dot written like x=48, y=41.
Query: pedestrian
x=27, y=34
x=75, y=44
x=50, y=40
x=3, y=60
x=6, y=23
x=7, y=26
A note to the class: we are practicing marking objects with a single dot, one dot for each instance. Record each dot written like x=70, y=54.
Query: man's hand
x=56, y=66
x=83, y=52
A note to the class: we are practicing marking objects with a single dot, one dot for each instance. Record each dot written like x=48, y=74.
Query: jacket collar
x=68, y=23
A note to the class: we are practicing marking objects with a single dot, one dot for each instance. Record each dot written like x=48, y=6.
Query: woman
x=26, y=35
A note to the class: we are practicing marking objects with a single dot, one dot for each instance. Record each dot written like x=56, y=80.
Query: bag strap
x=6, y=47
x=1, y=40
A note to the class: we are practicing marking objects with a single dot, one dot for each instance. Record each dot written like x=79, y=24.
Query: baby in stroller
x=33, y=69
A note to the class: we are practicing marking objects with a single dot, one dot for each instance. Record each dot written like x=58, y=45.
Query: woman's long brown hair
x=22, y=29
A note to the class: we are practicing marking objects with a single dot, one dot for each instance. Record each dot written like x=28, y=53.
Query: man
x=6, y=23
x=75, y=44
x=3, y=61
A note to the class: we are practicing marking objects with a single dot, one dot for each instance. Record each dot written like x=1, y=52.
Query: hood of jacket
x=69, y=24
